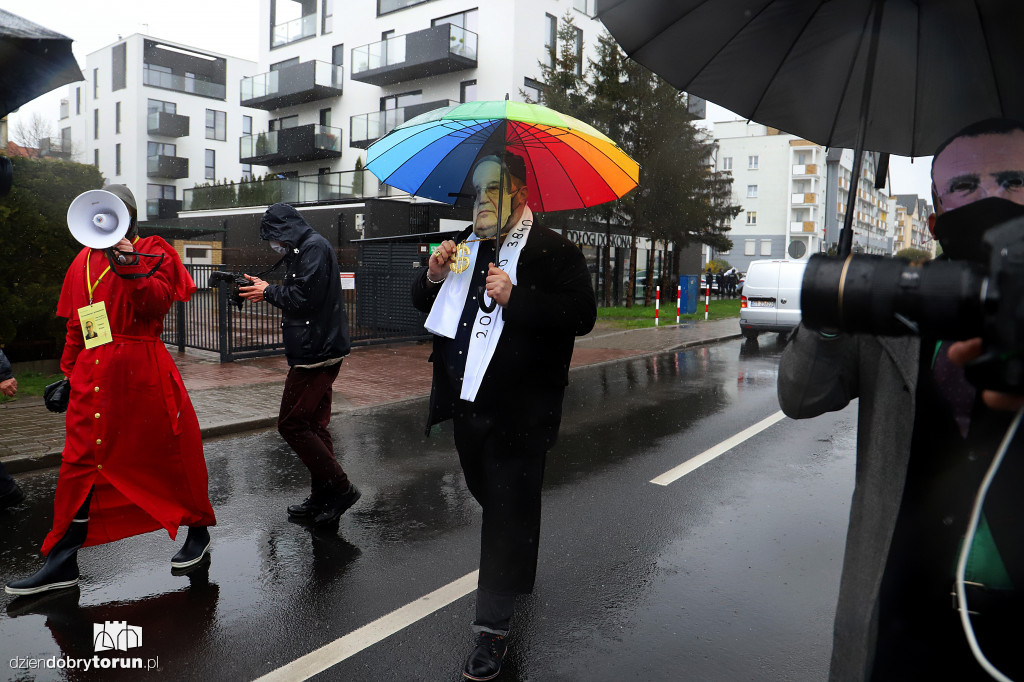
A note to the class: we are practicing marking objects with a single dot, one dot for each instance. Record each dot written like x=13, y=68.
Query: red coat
x=132, y=434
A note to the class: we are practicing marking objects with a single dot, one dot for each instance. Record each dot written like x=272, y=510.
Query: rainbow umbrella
x=570, y=164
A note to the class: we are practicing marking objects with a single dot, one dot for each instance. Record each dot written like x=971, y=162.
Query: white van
x=770, y=300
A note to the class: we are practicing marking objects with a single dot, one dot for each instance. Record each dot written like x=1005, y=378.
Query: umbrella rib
x=988, y=51
x=846, y=82
x=917, y=82
x=782, y=62
x=493, y=123
x=450, y=125
x=560, y=167
x=667, y=26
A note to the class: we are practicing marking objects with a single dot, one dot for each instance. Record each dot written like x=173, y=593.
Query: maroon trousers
x=305, y=414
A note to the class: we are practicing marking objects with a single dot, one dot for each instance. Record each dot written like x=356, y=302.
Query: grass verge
x=31, y=383
x=643, y=316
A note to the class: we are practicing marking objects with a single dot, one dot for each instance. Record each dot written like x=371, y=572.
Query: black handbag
x=56, y=396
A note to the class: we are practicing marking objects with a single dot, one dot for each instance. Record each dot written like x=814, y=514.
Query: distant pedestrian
x=316, y=339
x=10, y=493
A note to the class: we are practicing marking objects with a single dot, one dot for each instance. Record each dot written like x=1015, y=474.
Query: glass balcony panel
x=250, y=146
x=191, y=85
x=297, y=29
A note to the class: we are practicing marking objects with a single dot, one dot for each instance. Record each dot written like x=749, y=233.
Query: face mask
x=279, y=247
x=961, y=231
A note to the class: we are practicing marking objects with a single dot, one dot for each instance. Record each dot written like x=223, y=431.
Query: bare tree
x=29, y=133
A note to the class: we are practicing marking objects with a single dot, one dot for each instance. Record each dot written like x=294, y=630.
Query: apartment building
x=159, y=117
x=911, y=223
x=780, y=180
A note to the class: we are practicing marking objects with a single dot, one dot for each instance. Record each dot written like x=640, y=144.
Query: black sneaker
x=308, y=507
x=484, y=662
x=12, y=497
x=336, y=505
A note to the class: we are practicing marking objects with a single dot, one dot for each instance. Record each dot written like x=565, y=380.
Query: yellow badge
x=95, y=325
x=460, y=261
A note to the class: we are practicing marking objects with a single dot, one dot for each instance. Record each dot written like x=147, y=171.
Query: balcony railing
x=800, y=199
x=55, y=147
x=291, y=145
x=297, y=29
x=191, y=85
x=803, y=226
x=160, y=166
x=805, y=169
x=445, y=48
x=295, y=84
x=365, y=129
x=307, y=189
x=167, y=124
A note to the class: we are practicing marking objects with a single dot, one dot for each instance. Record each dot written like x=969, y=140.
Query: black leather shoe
x=306, y=509
x=12, y=497
x=484, y=663
x=197, y=544
x=61, y=568
x=336, y=505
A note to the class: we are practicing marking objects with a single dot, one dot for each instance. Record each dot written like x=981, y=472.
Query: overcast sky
x=230, y=27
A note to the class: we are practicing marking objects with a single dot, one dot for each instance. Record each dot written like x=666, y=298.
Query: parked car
x=770, y=298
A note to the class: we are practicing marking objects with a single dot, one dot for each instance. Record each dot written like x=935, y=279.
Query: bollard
x=707, y=299
x=657, y=304
x=679, y=298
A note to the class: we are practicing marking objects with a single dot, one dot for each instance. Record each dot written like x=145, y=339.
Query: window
x=579, y=52
x=550, y=39
x=751, y=217
x=216, y=122
x=466, y=20
x=117, y=117
x=78, y=100
x=277, y=66
x=338, y=55
x=581, y=6
x=284, y=123
x=118, y=67
x=751, y=191
x=247, y=125
x=117, y=159
x=95, y=83
x=247, y=171
x=161, y=192
x=161, y=149
x=534, y=90
x=327, y=22
x=154, y=105
x=467, y=91
x=727, y=163
x=385, y=6
x=749, y=247
x=211, y=165
x=96, y=157
x=751, y=163
x=325, y=117
x=95, y=124
x=401, y=100
x=766, y=247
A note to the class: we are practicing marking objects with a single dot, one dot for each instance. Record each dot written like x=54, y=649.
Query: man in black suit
x=501, y=376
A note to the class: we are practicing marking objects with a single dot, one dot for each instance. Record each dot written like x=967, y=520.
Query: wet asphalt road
x=730, y=573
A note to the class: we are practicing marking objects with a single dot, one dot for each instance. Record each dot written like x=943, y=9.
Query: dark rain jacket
x=314, y=323
x=5, y=367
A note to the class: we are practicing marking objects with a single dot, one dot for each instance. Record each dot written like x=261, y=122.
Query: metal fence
x=378, y=311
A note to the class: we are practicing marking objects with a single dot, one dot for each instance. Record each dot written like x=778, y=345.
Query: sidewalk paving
x=245, y=395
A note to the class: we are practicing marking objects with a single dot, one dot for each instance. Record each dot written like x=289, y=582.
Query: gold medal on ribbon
x=460, y=260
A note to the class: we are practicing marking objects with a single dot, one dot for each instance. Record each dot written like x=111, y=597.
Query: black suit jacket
x=551, y=305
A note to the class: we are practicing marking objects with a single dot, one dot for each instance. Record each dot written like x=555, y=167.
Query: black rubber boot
x=61, y=568
x=197, y=544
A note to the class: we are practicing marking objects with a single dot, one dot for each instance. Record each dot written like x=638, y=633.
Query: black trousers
x=503, y=452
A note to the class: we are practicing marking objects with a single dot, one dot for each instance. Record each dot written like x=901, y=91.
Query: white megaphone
x=98, y=219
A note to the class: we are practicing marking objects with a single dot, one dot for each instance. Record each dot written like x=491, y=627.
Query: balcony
x=805, y=169
x=168, y=125
x=365, y=129
x=188, y=84
x=55, y=148
x=160, y=166
x=804, y=199
x=306, y=189
x=309, y=142
x=65, y=109
x=158, y=209
x=297, y=29
x=296, y=84
x=803, y=226
x=440, y=49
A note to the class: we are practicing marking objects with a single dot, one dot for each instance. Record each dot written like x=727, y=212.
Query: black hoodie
x=314, y=323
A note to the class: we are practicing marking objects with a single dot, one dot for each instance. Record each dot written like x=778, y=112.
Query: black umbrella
x=33, y=61
x=895, y=76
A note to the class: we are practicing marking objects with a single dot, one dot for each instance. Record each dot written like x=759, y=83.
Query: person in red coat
x=133, y=456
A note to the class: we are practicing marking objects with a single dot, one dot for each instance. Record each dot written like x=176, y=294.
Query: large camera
x=944, y=299
x=236, y=280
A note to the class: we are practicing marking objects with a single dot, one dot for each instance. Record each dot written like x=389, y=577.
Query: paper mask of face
x=279, y=247
x=960, y=231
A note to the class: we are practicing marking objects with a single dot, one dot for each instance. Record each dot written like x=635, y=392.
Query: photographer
x=925, y=440
x=316, y=339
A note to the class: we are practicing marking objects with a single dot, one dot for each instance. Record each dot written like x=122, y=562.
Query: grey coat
x=818, y=375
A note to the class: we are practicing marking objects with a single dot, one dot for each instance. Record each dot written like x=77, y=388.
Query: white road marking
x=703, y=458
x=337, y=651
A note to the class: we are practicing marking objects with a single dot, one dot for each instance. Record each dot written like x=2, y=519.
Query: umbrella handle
x=487, y=308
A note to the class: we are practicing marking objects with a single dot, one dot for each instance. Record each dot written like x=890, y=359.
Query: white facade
x=780, y=181
x=109, y=123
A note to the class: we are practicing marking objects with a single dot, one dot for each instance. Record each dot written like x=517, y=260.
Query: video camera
x=218, y=276
x=943, y=299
